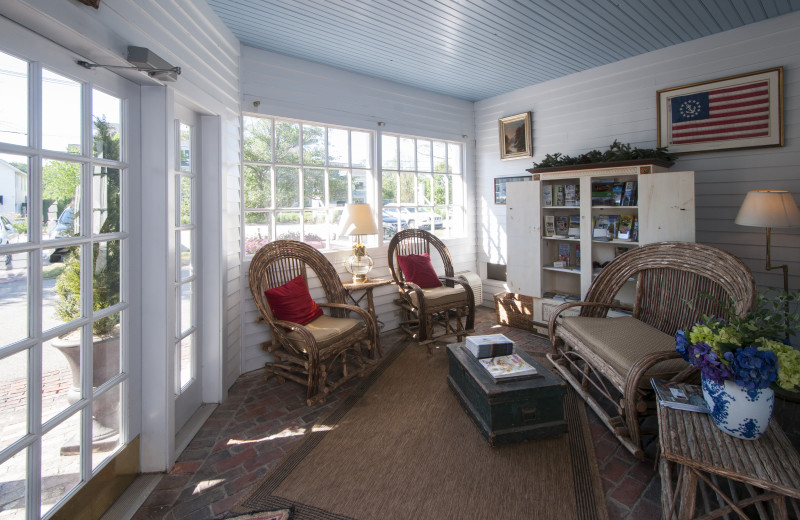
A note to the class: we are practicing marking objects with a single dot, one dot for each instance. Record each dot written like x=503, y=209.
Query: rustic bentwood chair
x=609, y=361
x=328, y=350
x=433, y=313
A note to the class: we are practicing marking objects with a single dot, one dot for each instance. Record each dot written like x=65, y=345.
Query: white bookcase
x=664, y=208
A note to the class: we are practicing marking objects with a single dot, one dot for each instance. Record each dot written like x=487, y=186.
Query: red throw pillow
x=292, y=302
x=419, y=270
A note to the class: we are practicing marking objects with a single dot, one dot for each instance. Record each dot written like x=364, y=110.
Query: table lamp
x=769, y=209
x=357, y=220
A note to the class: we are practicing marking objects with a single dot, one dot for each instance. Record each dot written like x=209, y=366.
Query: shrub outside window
x=298, y=176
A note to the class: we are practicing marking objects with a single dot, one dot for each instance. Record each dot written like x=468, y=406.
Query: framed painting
x=515, y=137
x=500, y=187
x=743, y=111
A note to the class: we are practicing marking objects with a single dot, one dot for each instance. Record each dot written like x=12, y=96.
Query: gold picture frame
x=735, y=112
x=516, y=139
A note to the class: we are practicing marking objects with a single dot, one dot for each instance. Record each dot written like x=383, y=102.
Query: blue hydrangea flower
x=703, y=357
x=753, y=368
x=682, y=344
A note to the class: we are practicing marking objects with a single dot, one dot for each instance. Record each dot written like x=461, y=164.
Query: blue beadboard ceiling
x=473, y=49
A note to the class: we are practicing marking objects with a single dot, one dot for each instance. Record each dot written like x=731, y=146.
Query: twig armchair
x=609, y=361
x=328, y=350
x=430, y=314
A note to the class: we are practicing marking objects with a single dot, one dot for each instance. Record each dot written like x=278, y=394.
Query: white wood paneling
x=590, y=109
x=297, y=89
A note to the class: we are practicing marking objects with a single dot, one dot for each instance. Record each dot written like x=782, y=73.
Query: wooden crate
x=514, y=310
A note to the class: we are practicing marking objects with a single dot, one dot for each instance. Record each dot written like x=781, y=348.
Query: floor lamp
x=770, y=209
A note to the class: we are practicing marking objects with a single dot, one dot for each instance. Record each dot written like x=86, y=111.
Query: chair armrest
x=364, y=314
x=408, y=287
x=305, y=335
x=467, y=287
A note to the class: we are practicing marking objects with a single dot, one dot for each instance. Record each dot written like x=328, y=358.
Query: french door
x=186, y=342
x=67, y=145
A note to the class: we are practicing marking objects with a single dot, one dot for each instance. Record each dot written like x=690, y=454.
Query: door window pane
x=287, y=191
x=105, y=426
x=313, y=144
x=61, y=373
x=287, y=142
x=14, y=298
x=361, y=152
x=61, y=192
x=338, y=147
x=185, y=206
x=61, y=464
x=61, y=113
x=105, y=200
x=105, y=280
x=14, y=401
x=185, y=254
x=313, y=188
x=106, y=351
x=257, y=186
x=12, y=482
x=14, y=207
x=14, y=101
x=185, y=314
x=185, y=147
x=61, y=287
x=186, y=353
x=257, y=133
x=389, y=188
x=107, y=127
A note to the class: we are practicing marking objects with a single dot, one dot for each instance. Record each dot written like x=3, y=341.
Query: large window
x=62, y=305
x=298, y=177
x=422, y=185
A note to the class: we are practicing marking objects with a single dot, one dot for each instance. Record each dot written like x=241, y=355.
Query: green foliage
x=616, y=152
x=106, y=275
x=60, y=180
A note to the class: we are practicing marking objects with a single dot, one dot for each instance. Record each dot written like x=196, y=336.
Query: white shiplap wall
x=297, y=89
x=589, y=110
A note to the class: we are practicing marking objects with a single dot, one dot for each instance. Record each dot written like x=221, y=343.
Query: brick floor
x=261, y=421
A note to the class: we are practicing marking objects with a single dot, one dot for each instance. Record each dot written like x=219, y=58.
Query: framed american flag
x=743, y=111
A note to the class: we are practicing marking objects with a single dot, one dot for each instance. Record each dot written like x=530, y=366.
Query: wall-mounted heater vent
x=475, y=282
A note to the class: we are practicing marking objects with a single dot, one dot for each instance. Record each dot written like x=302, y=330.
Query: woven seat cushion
x=326, y=330
x=621, y=342
x=441, y=296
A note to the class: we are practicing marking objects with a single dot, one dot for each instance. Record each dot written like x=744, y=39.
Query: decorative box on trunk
x=509, y=411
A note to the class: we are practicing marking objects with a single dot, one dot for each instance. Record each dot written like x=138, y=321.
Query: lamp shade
x=768, y=208
x=357, y=219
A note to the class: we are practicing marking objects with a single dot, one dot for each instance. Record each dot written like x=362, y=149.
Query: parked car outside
x=423, y=218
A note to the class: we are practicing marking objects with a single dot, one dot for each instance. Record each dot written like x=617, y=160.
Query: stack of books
x=495, y=353
x=681, y=396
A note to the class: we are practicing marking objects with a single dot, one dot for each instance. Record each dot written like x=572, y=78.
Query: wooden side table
x=702, y=453
x=367, y=286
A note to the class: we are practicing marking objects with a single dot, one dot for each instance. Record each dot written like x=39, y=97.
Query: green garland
x=616, y=152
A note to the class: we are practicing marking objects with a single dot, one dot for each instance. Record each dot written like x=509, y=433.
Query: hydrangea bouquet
x=742, y=360
x=750, y=350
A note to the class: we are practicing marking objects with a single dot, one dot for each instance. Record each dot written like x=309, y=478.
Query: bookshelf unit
x=664, y=208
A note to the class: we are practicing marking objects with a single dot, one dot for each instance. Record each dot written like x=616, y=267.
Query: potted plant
x=741, y=358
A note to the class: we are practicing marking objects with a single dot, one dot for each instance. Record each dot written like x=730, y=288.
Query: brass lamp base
x=359, y=278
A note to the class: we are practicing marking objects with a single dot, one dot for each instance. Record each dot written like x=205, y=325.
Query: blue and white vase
x=738, y=411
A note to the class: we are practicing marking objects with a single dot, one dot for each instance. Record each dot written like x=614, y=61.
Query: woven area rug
x=400, y=446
